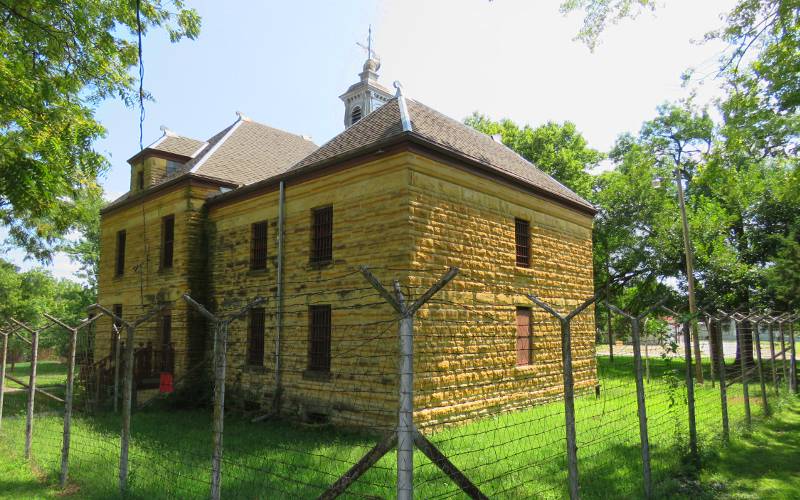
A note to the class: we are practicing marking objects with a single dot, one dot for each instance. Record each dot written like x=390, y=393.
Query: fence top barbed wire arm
x=642, y=315
x=572, y=313
x=376, y=284
x=75, y=328
x=258, y=301
x=142, y=319
x=103, y=310
x=30, y=329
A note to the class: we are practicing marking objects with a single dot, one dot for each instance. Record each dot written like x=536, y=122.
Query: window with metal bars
x=167, y=241
x=116, y=329
x=522, y=236
x=258, y=245
x=322, y=235
x=255, y=337
x=319, y=338
x=524, y=343
x=120, y=260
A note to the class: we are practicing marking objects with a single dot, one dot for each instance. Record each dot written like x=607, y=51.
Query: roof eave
x=147, y=193
x=391, y=141
x=422, y=141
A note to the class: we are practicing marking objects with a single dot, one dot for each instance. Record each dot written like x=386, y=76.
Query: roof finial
x=167, y=131
x=368, y=47
x=242, y=116
x=401, y=103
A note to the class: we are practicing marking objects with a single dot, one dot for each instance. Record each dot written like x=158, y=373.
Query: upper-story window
x=258, y=245
x=322, y=235
x=119, y=269
x=140, y=180
x=355, y=114
x=173, y=166
x=522, y=237
x=167, y=241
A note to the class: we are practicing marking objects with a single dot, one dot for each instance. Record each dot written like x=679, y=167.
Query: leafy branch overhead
x=59, y=60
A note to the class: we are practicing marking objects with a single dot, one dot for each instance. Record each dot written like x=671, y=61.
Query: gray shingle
x=443, y=131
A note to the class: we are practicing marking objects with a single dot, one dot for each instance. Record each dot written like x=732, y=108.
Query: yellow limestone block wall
x=465, y=340
x=143, y=283
x=370, y=227
x=154, y=169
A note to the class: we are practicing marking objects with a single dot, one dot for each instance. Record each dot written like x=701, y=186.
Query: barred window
x=322, y=235
x=166, y=331
x=258, y=245
x=522, y=236
x=167, y=241
x=255, y=338
x=120, y=260
x=524, y=344
x=319, y=341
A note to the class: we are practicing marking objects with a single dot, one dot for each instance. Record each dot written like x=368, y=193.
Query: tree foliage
x=58, y=60
x=25, y=296
x=556, y=148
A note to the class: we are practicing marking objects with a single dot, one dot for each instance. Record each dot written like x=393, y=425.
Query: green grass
x=48, y=373
x=512, y=454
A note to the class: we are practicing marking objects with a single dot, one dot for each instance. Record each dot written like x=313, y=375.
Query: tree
x=558, y=149
x=600, y=13
x=26, y=296
x=57, y=60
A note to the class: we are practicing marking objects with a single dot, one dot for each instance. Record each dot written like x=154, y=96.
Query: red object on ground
x=166, y=383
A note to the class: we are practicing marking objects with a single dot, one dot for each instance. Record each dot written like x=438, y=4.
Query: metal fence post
x=792, y=359
x=764, y=403
x=723, y=390
x=569, y=390
x=405, y=421
x=220, y=365
x=68, y=395
x=772, y=359
x=127, y=397
x=3, y=374
x=745, y=390
x=116, y=368
x=31, y=392
x=690, y=394
x=783, y=357
x=221, y=339
x=640, y=396
x=34, y=342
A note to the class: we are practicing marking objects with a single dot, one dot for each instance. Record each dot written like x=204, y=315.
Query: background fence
x=435, y=384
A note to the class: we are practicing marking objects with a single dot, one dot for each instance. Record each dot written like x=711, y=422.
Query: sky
x=286, y=63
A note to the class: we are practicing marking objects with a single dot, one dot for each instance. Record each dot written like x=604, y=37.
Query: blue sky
x=286, y=63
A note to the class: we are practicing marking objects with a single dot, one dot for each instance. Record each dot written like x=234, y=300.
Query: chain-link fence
x=379, y=383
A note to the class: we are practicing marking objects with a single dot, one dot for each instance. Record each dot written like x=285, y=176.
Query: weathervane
x=368, y=47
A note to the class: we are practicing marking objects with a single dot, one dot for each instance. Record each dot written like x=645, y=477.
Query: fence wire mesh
x=312, y=389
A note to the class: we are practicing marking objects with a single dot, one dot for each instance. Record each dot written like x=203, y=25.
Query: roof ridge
x=216, y=145
x=262, y=124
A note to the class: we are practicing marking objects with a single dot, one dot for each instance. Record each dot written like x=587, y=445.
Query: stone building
x=404, y=190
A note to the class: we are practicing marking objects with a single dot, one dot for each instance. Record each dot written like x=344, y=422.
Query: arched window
x=355, y=114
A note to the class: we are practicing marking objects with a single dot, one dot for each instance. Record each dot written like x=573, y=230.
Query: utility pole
x=687, y=247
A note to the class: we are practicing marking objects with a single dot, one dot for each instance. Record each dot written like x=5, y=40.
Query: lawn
x=509, y=455
x=48, y=374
